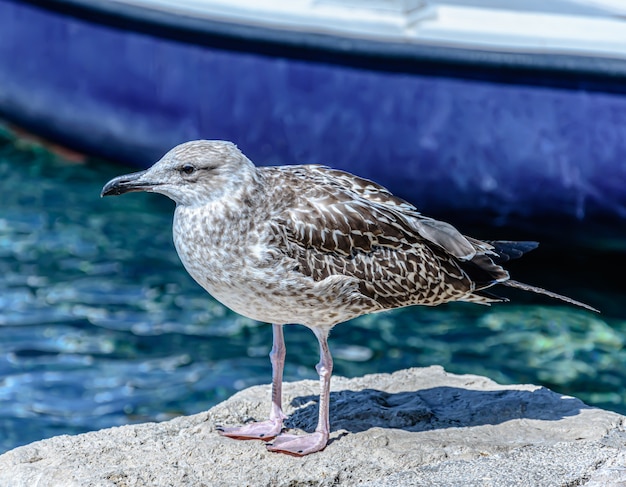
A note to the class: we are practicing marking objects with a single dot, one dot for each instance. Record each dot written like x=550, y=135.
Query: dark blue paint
x=445, y=143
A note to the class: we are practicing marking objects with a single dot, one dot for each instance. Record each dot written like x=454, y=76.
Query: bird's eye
x=187, y=169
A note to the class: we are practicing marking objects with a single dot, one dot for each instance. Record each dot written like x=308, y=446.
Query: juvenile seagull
x=312, y=245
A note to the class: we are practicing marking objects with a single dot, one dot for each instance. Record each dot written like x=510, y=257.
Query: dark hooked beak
x=127, y=183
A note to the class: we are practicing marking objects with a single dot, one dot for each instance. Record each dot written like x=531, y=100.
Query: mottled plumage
x=311, y=245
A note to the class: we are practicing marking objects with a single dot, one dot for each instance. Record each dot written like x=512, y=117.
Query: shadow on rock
x=435, y=408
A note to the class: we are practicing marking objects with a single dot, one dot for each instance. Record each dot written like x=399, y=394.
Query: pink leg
x=300, y=445
x=266, y=430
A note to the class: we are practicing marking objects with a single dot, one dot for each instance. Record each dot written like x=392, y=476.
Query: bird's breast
x=233, y=262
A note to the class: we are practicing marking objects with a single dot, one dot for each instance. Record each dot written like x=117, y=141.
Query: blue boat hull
x=448, y=140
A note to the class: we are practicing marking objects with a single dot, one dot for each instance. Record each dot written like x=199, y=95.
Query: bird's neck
x=217, y=216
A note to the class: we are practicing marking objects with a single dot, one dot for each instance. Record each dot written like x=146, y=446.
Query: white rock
x=413, y=427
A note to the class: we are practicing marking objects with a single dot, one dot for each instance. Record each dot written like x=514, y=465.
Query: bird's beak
x=127, y=183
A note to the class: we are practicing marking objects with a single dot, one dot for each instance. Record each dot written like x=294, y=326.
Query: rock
x=412, y=427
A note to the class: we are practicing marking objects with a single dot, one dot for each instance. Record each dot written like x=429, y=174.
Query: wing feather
x=337, y=224
x=360, y=208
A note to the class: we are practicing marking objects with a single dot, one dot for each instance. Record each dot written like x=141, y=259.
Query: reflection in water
x=101, y=325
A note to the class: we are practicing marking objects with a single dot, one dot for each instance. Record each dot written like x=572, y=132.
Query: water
x=101, y=326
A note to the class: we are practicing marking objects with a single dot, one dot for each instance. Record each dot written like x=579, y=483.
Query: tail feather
x=538, y=290
x=485, y=270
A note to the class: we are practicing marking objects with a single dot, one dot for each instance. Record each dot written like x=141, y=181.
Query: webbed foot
x=299, y=445
x=262, y=430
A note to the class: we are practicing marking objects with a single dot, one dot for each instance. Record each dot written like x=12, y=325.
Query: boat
x=497, y=109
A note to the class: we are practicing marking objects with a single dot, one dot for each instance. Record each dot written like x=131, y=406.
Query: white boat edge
x=594, y=28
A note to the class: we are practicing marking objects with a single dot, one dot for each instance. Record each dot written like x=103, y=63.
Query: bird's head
x=192, y=173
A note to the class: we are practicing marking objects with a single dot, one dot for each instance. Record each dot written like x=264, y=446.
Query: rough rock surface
x=413, y=427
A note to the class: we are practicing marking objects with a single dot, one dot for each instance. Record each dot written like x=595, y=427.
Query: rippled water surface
x=101, y=326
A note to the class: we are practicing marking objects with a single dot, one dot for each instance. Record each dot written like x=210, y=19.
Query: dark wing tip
x=508, y=250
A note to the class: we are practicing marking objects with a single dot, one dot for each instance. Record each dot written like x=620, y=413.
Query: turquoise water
x=101, y=326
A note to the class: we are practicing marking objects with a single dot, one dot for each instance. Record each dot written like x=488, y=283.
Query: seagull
x=312, y=245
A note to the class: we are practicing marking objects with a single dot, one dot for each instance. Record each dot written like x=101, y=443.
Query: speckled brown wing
x=338, y=224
